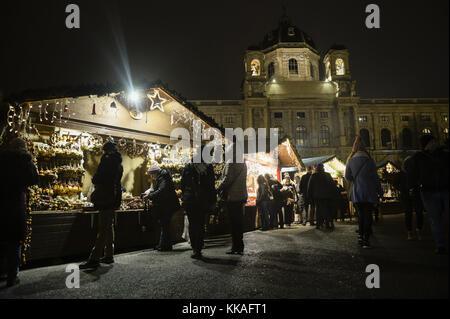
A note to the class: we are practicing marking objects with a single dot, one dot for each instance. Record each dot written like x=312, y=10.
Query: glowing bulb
x=134, y=96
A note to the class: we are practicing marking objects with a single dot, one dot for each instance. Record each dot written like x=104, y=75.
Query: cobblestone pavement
x=300, y=262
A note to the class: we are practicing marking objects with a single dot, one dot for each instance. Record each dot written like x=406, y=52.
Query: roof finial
x=284, y=17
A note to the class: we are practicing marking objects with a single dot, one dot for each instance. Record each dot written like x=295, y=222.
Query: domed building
x=283, y=88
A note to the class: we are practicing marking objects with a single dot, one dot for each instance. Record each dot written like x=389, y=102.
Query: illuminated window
x=256, y=68
x=323, y=115
x=311, y=70
x=271, y=69
x=293, y=66
x=363, y=118
x=301, y=115
x=386, y=138
x=340, y=67
x=365, y=137
x=384, y=118
x=445, y=117
x=229, y=119
x=324, y=135
x=446, y=132
x=426, y=131
x=301, y=135
x=406, y=138
x=291, y=31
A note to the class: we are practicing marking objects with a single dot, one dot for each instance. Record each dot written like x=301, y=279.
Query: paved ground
x=300, y=262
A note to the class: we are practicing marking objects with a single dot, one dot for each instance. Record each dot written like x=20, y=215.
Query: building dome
x=286, y=32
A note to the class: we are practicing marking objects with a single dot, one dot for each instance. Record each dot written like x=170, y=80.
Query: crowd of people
x=314, y=198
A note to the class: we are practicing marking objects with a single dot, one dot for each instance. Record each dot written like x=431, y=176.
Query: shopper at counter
x=199, y=199
x=18, y=172
x=106, y=197
x=164, y=203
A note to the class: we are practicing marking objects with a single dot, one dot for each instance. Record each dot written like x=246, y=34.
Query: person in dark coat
x=199, y=199
x=323, y=191
x=428, y=173
x=366, y=188
x=277, y=203
x=290, y=197
x=309, y=208
x=410, y=200
x=17, y=173
x=300, y=200
x=106, y=197
x=263, y=199
x=164, y=203
x=233, y=190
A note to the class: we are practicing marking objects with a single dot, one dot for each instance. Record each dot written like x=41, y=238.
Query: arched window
x=340, y=67
x=386, y=138
x=365, y=137
x=301, y=135
x=324, y=135
x=255, y=68
x=426, y=131
x=271, y=69
x=293, y=66
x=311, y=70
x=406, y=138
x=445, y=132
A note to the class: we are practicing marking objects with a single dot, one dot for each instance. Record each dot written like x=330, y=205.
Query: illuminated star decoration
x=157, y=101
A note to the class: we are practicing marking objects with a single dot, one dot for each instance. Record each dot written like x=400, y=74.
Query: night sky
x=197, y=47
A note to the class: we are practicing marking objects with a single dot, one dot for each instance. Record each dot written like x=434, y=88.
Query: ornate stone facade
x=282, y=88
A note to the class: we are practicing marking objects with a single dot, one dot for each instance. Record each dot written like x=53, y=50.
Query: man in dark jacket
x=428, y=173
x=308, y=204
x=277, y=203
x=199, y=199
x=164, y=203
x=17, y=173
x=411, y=201
x=106, y=197
x=233, y=190
x=323, y=191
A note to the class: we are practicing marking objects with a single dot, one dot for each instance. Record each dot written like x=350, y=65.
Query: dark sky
x=197, y=47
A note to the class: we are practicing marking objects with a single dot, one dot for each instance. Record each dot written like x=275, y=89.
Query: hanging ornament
x=93, y=110
x=40, y=112
x=45, y=112
x=157, y=101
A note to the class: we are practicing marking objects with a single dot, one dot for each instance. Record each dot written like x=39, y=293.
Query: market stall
x=331, y=164
x=66, y=136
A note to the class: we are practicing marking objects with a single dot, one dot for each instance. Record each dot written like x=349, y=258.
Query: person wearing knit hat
x=110, y=146
x=154, y=169
x=164, y=203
